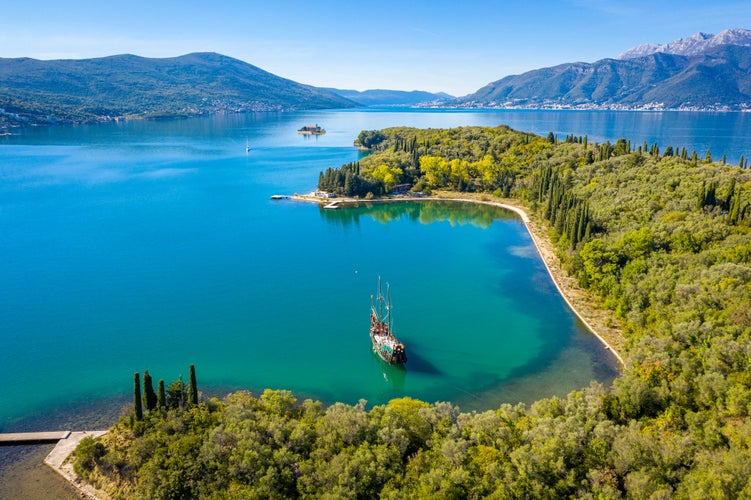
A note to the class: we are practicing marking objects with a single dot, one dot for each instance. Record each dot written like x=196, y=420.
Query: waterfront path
x=57, y=461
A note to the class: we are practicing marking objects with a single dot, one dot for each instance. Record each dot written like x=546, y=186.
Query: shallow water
x=153, y=245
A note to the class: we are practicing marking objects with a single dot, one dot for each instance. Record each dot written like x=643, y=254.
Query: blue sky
x=455, y=46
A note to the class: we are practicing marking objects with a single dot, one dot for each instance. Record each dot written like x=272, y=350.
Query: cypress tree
x=149, y=396
x=138, y=409
x=193, y=389
x=702, y=196
x=735, y=208
x=729, y=196
x=161, y=397
x=740, y=163
x=711, y=196
x=708, y=158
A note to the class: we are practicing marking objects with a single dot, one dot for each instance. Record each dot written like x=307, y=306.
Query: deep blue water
x=153, y=245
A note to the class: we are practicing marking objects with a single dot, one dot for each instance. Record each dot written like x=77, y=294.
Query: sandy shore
x=598, y=320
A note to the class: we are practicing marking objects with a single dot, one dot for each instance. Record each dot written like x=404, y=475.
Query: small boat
x=247, y=146
x=311, y=130
x=385, y=344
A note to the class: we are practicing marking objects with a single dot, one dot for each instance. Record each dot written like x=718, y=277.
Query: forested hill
x=659, y=235
x=716, y=79
x=35, y=91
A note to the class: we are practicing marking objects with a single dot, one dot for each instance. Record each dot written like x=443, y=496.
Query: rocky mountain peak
x=693, y=45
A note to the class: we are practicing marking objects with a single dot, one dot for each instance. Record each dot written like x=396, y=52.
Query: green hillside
x=34, y=91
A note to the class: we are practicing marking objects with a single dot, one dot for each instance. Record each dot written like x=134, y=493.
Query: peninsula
x=658, y=237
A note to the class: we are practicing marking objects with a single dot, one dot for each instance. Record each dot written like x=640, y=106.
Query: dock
x=25, y=438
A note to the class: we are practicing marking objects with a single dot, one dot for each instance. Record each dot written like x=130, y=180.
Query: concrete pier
x=24, y=438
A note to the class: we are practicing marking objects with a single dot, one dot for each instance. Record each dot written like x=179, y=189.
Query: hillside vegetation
x=660, y=236
x=40, y=92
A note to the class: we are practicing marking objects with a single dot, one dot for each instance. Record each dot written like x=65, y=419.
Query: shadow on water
x=419, y=364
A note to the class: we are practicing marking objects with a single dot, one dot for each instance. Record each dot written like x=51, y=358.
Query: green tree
x=149, y=396
x=176, y=394
x=137, y=407
x=193, y=389
x=161, y=397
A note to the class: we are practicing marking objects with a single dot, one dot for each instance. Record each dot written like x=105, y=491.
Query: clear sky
x=454, y=46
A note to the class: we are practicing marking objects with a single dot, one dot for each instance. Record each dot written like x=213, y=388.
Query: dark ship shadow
x=419, y=364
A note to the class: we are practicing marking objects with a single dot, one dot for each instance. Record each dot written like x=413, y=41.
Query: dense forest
x=661, y=236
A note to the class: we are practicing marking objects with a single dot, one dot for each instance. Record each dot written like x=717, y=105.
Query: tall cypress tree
x=161, y=397
x=138, y=409
x=149, y=396
x=193, y=389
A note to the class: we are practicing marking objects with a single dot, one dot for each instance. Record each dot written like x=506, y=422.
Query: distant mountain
x=692, y=46
x=716, y=77
x=34, y=91
x=380, y=97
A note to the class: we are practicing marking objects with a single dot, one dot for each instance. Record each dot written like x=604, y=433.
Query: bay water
x=153, y=245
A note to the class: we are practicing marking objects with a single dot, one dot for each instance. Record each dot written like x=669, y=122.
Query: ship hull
x=392, y=357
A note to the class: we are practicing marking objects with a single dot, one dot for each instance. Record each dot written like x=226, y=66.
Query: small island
x=311, y=130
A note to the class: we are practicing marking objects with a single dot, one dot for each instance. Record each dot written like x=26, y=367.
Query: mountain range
x=704, y=71
x=707, y=72
x=382, y=97
x=35, y=91
x=692, y=46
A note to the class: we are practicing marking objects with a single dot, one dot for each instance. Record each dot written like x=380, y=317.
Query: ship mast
x=380, y=300
x=388, y=308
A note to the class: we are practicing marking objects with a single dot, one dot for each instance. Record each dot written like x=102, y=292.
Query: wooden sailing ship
x=385, y=344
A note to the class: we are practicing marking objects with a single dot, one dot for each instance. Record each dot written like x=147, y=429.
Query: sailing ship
x=385, y=344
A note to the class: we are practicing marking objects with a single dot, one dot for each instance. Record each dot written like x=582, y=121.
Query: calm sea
x=153, y=245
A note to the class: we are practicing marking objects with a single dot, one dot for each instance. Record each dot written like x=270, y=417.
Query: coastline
x=596, y=319
x=58, y=460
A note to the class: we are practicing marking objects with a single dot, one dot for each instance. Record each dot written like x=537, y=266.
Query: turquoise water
x=153, y=245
